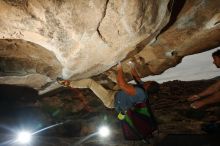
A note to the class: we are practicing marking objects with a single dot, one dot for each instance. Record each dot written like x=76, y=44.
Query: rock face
x=79, y=39
x=25, y=63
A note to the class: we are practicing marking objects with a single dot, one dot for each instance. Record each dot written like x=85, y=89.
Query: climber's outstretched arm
x=210, y=90
x=135, y=76
x=214, y=98
x=129, y=89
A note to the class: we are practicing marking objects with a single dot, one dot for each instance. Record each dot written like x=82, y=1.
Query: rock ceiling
x=75, y=39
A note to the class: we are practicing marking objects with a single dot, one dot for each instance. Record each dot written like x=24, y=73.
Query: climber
x=123, y=100
x=212, y=94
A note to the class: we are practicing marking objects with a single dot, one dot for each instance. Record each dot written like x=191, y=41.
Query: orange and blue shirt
x=124, y=101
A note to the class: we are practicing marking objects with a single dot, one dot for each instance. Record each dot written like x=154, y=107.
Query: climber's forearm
x=135, y=76
x=210, y=90
x=123, y=84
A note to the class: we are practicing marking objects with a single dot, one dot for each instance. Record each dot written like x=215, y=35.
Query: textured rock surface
x=87, y=37
x=79, y=39
x=25, y=63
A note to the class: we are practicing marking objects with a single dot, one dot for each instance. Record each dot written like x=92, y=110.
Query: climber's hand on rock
x=119, y=66
x=131, y=64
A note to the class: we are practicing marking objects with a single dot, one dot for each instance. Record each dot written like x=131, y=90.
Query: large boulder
x=79, y=39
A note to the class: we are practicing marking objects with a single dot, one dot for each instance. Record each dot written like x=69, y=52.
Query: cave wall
x=77, y=39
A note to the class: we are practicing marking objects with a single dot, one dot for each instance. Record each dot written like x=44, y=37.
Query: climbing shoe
x=63, y=82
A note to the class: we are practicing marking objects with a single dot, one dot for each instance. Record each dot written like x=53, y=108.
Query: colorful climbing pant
x=138, y=123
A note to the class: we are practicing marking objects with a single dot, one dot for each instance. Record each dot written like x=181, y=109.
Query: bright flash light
x=24, y=137
x=104, y=131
